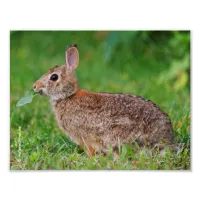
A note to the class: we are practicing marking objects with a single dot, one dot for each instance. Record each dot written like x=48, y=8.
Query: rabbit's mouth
x=41, y=93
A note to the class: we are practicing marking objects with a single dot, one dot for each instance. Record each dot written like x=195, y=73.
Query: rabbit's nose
x=37, y=86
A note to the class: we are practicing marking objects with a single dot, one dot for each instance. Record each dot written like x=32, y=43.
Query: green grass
x=44, y=146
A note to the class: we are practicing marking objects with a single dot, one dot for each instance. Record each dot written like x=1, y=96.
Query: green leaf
x=116, y=37
x=25, y=100
x=178, y=73
x=181, y=81
x=124, y=152
x=29, y=95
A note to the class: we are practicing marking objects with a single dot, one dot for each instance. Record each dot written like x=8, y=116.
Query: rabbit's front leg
x=90, y=151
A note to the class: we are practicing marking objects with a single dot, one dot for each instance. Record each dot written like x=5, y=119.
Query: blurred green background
x=152, y=64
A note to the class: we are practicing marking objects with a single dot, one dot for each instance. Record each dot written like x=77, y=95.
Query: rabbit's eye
x=54, y=77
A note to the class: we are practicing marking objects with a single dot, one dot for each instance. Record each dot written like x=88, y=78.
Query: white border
x=142, y=15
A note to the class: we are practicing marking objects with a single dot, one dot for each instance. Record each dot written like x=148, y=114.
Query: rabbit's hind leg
x=176, y=148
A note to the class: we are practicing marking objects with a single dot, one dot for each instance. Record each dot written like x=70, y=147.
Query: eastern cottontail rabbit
x=98, y=121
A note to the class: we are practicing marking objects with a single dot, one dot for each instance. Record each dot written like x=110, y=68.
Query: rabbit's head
x=60, y=81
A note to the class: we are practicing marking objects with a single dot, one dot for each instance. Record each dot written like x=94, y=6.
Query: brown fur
x=97, y=121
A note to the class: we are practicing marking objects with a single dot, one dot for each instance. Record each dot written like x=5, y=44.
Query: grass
x=36, y=142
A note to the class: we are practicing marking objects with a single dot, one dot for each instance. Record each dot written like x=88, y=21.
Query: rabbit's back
x=104, y=119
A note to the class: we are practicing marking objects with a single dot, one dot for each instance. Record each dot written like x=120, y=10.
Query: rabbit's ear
x=71, y=58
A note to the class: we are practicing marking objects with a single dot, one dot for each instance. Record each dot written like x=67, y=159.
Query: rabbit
x=98, y=121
